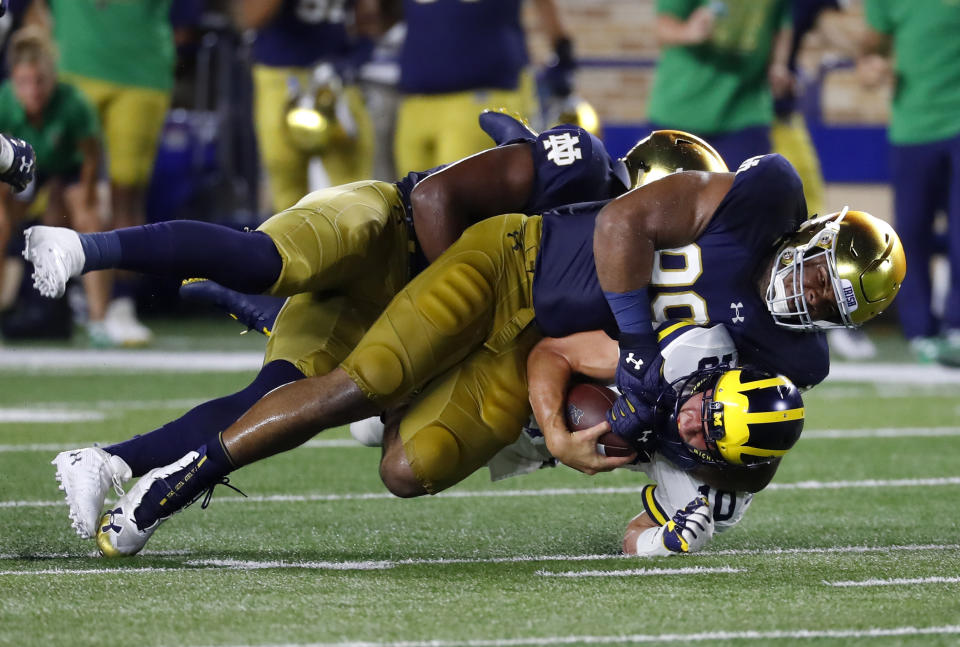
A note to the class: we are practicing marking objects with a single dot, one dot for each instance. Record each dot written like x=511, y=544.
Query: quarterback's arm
x=738, y=479
x=498, y=180
x=550, y=365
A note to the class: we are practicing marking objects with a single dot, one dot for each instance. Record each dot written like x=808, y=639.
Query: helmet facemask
x=786, y=298
x=749, y=418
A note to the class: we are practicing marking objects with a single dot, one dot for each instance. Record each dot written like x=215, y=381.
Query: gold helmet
x=663, y=152
x=318, y=116
x=579, y=112
x=865, y=261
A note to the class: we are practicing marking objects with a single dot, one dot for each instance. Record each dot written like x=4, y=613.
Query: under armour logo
x=76, y=458
x=737, y=318
x=112, y=526
x=26, y=164
x=515, y=235
x=637, y=362
x=642, y=438
x=563, y=150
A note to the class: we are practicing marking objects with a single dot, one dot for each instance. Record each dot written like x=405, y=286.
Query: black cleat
x=255, y=311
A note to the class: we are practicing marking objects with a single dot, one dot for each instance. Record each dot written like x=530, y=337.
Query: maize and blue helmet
x=750, y=417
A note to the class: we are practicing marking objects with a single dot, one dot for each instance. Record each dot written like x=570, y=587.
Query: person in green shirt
x=65, y=134
x=916, y=45
x=121, y=55
x=720, y=64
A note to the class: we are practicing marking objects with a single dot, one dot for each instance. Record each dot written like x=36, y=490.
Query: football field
x=856, y=542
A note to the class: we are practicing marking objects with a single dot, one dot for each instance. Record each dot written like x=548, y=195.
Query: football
x=587, y=405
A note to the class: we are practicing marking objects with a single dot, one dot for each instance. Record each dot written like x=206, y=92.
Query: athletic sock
x=242, y=260
x=202, y=423
x=208, y=467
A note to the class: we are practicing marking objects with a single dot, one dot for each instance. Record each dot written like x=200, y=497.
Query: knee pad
x=434, y=455
x=453, y=302
x=379, y=367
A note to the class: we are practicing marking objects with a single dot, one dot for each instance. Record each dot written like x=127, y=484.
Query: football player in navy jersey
x=451, y=347
x=341, y=253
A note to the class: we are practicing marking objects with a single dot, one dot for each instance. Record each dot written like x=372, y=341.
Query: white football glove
x=689, y=531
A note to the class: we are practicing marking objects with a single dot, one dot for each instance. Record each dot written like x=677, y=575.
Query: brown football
x=587, y=406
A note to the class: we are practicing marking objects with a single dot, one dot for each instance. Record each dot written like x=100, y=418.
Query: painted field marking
x=898, y=581
x=349, y=443
x=712, y=636
x=63, y=360
x=694, y=570
x=26, y=416
x=491, y=494
x=255, y=565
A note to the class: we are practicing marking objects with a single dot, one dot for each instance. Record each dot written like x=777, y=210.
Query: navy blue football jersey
x=303, y=33
x=714, y=280
x=570, y=165
x=454, y=46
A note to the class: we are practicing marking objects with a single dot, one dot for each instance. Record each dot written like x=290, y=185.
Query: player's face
x=32, y=84
x=818, y=290
x=690, y=422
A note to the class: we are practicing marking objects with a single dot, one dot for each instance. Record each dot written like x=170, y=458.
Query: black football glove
x=631, y=417
x=20, y=173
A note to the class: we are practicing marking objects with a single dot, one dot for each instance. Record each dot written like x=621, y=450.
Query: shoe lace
x=117, y=484
x=208, y=493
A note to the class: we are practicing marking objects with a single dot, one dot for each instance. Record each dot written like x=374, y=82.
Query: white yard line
x=708, y=636
x=348, y=443
x=493, y=494
x=64, y=360
x=899, y=581
x=693, y=570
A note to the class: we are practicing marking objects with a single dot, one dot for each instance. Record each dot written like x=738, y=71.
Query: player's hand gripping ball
x=587, y=406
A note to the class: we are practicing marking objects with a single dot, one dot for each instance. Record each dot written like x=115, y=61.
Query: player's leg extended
x=460, y=421
x=342, y=236
x=478, y=293
x=87, y=474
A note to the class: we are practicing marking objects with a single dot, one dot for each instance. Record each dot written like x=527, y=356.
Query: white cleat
x=117, y=533
x=57, y=256
x=85, y=476
x=368, y=431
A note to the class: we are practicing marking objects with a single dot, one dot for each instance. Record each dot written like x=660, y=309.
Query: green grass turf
x=331, y=565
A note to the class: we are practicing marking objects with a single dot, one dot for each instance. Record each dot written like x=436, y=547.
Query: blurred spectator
x=458, y=59
x=298, y=47
x=121, y=56
x=916, y=46
x=63, y=129
x=791, y=139
x=719, y=63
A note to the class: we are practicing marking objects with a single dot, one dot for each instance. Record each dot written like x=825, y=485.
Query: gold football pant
x=454, y=342
x=345, y=255
x=132, y=118
x=791, y=139
x=285, y=164
x=434, y=129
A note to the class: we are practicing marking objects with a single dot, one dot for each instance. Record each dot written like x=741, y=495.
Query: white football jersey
x=685, y=348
